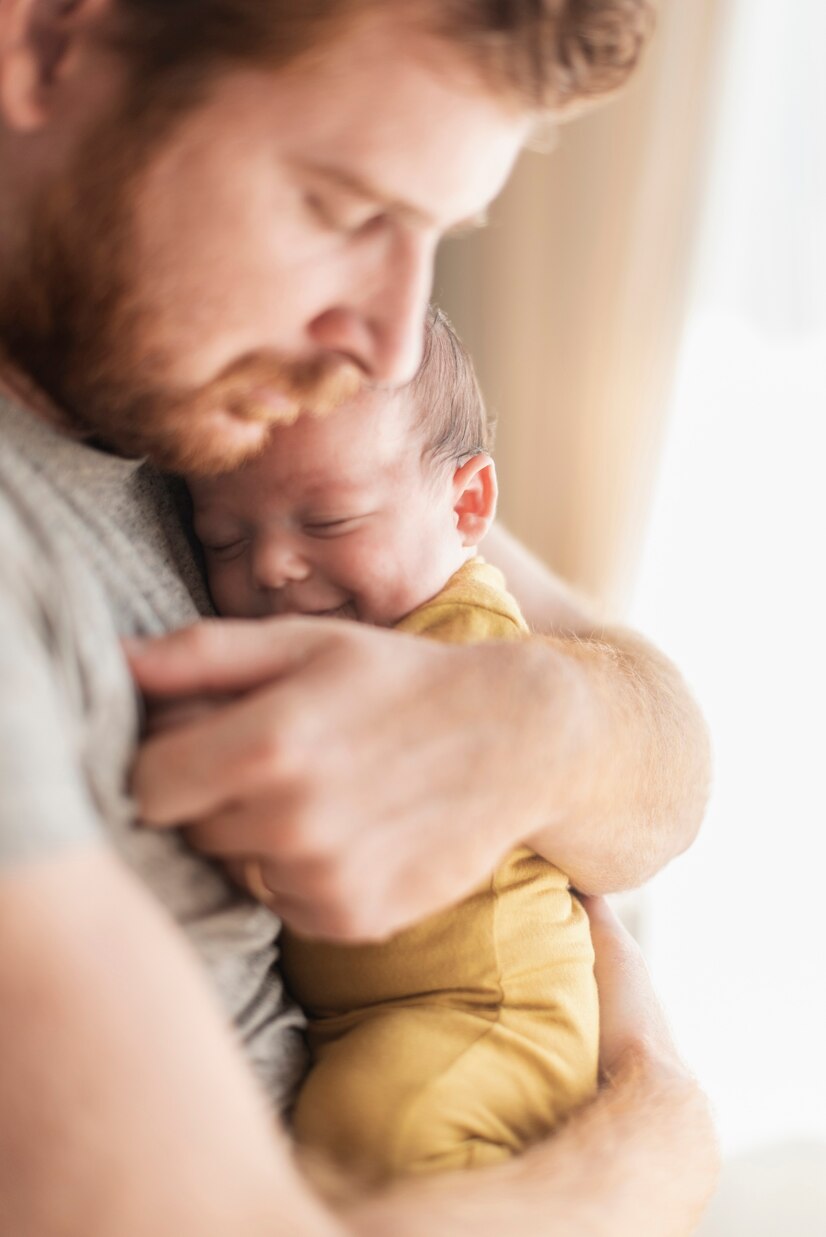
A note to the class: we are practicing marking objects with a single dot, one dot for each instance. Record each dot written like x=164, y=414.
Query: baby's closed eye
x=225, y=550
x=334, y=527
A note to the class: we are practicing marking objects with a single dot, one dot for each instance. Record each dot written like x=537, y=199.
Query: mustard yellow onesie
x=463, y=1039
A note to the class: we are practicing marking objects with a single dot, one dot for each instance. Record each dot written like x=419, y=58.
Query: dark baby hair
x=446, y=398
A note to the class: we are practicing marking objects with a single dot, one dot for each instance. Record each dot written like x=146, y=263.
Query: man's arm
x=639, y=761
x=337, y=749
x=640, y=1161
x=125, y=1109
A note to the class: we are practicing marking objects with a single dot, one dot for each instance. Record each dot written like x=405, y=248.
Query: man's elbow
x=666, y=823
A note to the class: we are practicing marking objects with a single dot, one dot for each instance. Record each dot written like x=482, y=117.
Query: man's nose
x=277, y=561
x=380, y=324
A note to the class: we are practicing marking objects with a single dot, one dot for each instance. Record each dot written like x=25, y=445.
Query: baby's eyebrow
x=209, y=516
x=344, y=487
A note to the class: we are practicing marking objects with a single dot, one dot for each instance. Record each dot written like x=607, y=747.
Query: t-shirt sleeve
x=45, y=804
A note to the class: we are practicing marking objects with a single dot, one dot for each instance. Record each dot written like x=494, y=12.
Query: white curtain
x=732, y=583
x=572, y=304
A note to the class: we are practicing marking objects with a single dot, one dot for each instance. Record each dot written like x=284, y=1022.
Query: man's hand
x=374, y=777
x=631, y=1020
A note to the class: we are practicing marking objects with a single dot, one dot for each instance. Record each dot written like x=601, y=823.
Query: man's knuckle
x=263, y=756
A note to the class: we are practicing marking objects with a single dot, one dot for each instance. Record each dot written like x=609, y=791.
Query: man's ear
x=474, y=498
x=40, y=41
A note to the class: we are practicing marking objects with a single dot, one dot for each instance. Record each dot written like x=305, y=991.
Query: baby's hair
x=445, y=395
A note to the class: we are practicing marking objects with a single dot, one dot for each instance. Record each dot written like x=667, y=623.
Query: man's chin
x=218, y=428
x=207, y=445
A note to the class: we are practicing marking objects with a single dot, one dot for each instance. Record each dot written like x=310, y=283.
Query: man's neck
x=23, y=390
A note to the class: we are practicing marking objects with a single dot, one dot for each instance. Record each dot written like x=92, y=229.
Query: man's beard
x=71, y=321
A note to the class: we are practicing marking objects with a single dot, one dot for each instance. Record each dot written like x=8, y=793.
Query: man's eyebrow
x=365, y=188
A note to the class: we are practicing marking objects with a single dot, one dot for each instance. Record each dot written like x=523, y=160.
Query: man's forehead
x=379, y=112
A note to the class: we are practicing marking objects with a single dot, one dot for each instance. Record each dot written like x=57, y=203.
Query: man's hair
x=550, y=55
x=447, y=404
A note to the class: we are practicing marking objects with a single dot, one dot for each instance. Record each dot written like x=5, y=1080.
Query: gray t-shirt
x=91, y=548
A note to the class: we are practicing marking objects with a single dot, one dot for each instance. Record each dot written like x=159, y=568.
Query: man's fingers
x=618, y=960
x=602, y=918
x=197, y=770
x=609, y=934
x=631, y=1018
x=219, y=655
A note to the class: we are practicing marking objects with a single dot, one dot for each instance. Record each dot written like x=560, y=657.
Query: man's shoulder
x=44, y=804
x=29, y=567
x=67, y=712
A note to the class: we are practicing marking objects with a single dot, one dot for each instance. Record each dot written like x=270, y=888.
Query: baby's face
x=339, y=517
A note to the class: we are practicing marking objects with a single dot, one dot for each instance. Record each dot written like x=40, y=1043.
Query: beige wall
x=572, y=302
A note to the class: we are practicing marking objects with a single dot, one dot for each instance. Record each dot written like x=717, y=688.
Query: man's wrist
x=565, y=716
x=539, y=711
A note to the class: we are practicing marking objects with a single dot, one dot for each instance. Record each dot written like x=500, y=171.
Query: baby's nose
x=277, y=564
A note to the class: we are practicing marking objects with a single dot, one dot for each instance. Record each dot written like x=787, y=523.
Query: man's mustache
x=268, y=388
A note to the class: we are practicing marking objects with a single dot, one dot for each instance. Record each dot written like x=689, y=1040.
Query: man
x=214, y=212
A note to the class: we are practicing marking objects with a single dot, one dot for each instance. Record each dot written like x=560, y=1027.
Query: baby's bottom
x=433, y=1087
x=457, y=1042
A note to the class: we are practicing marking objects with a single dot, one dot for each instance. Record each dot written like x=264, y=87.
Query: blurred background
x=648, y=315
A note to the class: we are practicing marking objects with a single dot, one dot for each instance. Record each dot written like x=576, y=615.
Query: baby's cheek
x=229, y=590
x=345, y=562
x=386, y=584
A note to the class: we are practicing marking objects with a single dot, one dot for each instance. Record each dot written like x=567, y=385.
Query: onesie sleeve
x=473, y=606
x=457, y=622
x=45, y=804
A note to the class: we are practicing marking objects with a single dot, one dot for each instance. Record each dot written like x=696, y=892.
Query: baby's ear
x=474, y=498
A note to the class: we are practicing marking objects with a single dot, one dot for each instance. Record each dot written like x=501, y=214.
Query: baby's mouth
x=290, y=607
x=346, y=611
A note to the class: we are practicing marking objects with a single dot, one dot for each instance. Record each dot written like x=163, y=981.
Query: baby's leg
x=381, y=1101
x=467, y=1037
x=431, y=1088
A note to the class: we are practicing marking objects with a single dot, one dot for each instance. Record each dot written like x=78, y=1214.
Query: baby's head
x=364, y=513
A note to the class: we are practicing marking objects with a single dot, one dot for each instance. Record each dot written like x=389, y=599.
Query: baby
x=460, y=1041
